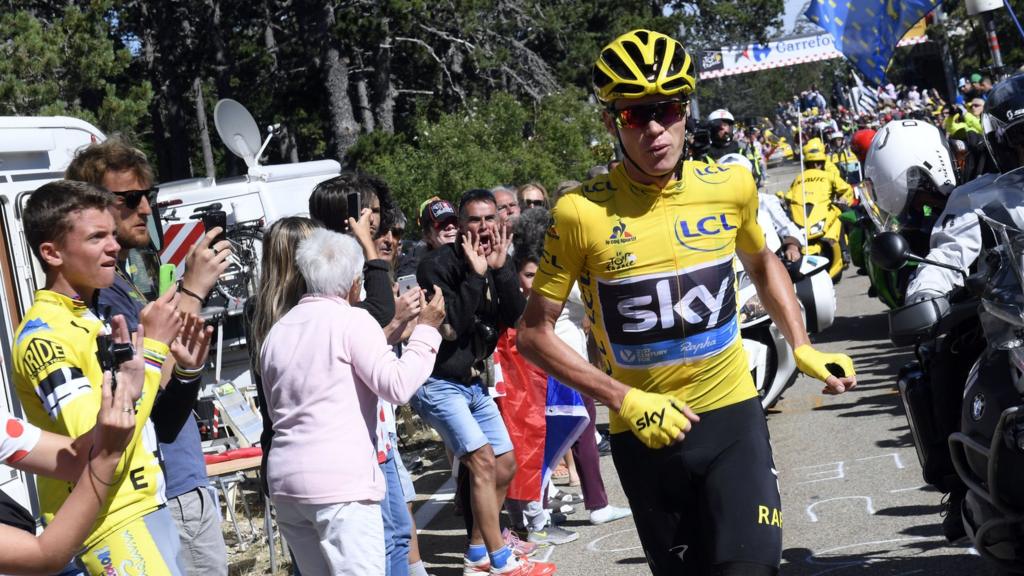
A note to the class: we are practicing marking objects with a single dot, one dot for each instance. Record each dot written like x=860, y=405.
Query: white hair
x=330, y=262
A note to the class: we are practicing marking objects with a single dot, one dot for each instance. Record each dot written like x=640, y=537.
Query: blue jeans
x=397, y=526
x=463, y=414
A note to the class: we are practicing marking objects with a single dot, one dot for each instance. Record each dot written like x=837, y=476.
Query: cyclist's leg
x=147, y=543
x=742, y=489
x=664, y=504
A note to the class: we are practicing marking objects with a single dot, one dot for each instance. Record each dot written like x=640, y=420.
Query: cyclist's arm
x=775, y=290
x=536, y=340
x=23, y=552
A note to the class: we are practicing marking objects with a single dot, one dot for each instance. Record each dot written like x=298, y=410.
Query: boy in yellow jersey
x=58, y=376
x=689, y=438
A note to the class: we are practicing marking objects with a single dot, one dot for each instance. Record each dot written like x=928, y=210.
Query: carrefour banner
x=779, y=53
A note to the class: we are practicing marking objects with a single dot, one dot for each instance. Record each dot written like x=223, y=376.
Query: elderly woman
x=324, y=364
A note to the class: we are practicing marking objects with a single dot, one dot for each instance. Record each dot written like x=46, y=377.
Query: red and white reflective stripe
x=178, y=240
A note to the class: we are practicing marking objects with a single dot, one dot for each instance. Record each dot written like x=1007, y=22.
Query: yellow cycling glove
x=655, y=419
x=821, y=365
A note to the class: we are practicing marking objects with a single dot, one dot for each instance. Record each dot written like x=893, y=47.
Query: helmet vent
x=637, y=57
x=615, y=63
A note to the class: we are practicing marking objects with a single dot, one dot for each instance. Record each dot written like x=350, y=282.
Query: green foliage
x=497, y=141
x=69, y=65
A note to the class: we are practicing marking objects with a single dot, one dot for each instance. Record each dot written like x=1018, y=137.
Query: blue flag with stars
x=867, y=31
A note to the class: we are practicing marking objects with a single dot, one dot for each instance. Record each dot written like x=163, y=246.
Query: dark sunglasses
x=132, y=198
x=664, y=113
x=534, y=204
x=397, y=232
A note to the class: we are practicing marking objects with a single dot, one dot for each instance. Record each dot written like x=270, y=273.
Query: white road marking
x=868, y=505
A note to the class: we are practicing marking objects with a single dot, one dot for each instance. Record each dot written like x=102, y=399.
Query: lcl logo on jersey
x=674, y=318
x=689, y=231
x=712, y=174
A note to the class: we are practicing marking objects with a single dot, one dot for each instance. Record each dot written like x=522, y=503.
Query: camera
x=112, y=354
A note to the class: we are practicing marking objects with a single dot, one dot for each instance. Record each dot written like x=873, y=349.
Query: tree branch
x=447, y=72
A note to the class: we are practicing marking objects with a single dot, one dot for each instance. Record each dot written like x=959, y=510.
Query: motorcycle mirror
x=890, y=251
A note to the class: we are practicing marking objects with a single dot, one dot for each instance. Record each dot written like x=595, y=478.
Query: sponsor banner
x=780, y=53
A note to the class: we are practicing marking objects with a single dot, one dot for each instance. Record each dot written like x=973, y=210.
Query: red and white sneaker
x=478, y=568
x=519, y=547
x=524, y=567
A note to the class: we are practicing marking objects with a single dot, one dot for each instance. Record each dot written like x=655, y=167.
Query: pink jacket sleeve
x=374, y=362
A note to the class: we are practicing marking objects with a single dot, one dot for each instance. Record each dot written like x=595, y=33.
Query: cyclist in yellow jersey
x=689, y=438
x=58, y=376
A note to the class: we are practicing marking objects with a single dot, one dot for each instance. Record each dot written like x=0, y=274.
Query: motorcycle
x=987, y=449
x=988, y=452
x=866, y=220
x=820, y=219
x=770, y=357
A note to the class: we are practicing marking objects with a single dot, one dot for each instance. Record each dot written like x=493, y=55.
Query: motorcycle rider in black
x=958, y=239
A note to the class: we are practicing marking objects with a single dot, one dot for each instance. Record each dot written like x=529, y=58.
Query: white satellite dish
x=238, y=130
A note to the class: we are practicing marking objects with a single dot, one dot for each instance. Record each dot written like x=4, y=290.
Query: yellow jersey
x=655, y=269
x=58, y=379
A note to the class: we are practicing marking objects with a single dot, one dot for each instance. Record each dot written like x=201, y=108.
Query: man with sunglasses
x=689, y=438
x=124, y=170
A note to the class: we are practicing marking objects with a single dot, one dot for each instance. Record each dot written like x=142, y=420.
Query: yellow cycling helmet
x=640, y=63
x=814, y=151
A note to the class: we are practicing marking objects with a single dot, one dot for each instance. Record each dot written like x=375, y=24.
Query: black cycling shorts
x=709, y=500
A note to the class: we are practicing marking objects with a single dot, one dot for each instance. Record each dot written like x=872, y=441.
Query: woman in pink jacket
x=324, y=364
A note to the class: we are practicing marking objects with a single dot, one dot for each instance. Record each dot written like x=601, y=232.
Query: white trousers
x=334, y=539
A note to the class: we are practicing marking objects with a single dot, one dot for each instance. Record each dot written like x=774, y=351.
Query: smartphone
x=168, y=273
x=353, y=206
x=214, y=219
x=406, y=283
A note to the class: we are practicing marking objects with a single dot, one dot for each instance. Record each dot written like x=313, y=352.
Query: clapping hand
x=192, y=344
x=474, y=252
x=501, y=239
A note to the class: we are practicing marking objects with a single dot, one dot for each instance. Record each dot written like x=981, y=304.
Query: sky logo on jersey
x=34, y=325
x=619, y=234
x=673, y=318
x=690, y=231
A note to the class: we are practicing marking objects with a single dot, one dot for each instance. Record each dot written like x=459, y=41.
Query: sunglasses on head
x=132, y=198
x=534, y=203
x=664, y=113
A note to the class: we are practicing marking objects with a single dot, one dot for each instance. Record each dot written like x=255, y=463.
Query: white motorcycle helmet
x=737, y=159
x=721, y=114
x=908, y=162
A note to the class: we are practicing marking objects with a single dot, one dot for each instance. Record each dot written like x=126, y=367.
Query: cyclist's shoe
x=523, y=567
x=552, y=536
x=521, y=548
x=478, y=568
